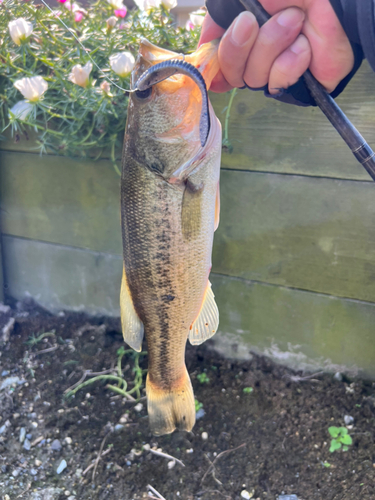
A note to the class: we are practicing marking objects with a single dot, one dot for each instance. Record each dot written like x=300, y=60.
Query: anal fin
x=207, y=322
x=132, y=326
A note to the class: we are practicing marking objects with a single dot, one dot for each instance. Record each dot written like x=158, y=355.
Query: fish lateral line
x=161, y=71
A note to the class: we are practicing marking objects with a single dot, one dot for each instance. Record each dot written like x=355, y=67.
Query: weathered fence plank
x=302, y=232
x=56, y=199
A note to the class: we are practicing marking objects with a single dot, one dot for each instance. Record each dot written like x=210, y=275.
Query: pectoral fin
x=191, y=210
x=217, y=207
x=132, y=326
x=207, y=322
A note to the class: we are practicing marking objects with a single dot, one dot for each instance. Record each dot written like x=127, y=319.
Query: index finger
x=211, y=31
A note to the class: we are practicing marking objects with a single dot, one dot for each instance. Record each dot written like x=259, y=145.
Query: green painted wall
x=294, y=255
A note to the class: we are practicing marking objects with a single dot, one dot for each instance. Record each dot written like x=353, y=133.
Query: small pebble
x=68, y=440
x=27, y=445
x=61, y=467
x=287, y=497
x=4, y=469
x=4, y=373
x=56, y=445
x=200, y=413
x=6, y=497
x=33, y=472
x=348, y=419
x=34, y=424
x=22, y=434
x=146, y=447
x=338, y=376
x=67, y=493
x=88, y=395
x=37, y=462
x=118, y=427
x=29, y=436
x=204, y=436
x=138, y=407
x=171, y=464
x=247, y=495
x=191, y=450
x=15, y=473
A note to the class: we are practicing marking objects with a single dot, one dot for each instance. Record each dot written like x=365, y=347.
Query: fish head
x=163, y=121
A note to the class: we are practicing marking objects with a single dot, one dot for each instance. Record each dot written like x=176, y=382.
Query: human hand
x=301, y=34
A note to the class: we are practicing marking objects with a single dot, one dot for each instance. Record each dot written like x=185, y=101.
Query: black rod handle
x=357, y=144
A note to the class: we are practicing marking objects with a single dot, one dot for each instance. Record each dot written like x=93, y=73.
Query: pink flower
x=78, y=16
x=61, y=1
x=189, y=26
x=121, y=12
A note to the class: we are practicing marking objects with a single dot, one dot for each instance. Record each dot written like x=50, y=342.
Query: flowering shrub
x=49, y=83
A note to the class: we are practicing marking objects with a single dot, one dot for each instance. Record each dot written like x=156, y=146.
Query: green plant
x=247, y=390
x=122, y=385
x=340, y=438
x=70, y=118
x=34, y=340
x=198, y=405
x=203, y=378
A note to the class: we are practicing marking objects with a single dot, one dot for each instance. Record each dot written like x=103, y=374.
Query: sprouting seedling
x=198, y=405
x=340, y=438
x=247, y=390
x=203, y=378
x=34, y=340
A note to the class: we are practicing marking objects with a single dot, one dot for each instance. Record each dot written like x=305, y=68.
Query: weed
x=203, y=378
x=198, y=405
x=247, y=390
x=340, y=438
x=33, y=340
x=122, y=385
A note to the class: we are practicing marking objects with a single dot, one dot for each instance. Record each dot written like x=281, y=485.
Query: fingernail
x=242, y=27
x=300, y=45
x=290, y=18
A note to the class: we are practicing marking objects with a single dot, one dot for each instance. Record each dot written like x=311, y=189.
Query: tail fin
x=170, y=409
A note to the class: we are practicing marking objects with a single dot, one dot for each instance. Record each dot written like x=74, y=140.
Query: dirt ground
x=264, y=428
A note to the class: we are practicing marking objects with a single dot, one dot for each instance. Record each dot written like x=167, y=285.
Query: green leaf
x=343, y=431
x=334, y=431
x=345, y=448
x=335, y=445
x=346, y=439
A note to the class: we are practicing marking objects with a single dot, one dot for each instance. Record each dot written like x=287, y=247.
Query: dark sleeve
x=357, y=19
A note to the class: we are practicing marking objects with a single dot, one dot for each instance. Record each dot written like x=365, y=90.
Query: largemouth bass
x=169, y=211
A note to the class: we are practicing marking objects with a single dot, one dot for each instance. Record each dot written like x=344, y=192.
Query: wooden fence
x=294, y=255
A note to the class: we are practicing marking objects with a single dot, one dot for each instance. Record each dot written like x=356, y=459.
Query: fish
x=170, y=205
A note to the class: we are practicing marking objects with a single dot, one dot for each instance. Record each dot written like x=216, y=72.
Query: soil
x=270, y=440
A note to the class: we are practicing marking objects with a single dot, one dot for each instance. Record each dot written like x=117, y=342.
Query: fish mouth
x=164, y=70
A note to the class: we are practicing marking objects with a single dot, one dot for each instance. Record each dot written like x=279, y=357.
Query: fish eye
x=143, y=94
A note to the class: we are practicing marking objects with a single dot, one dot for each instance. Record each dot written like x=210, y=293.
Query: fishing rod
x=357, y=144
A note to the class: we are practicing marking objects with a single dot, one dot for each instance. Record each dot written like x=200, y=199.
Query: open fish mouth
x=168, y=68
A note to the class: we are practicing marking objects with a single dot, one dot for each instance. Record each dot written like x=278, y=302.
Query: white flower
x=169, y=4
x=32, y=88
x=21, y=109
x=116, y=4
x=197, y=17
x=19, y=30
x=79, y=75
x=148, y=4
x=111, y=22
x=105, y=87
x=122, y=63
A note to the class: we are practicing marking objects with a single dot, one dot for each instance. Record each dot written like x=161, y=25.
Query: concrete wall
x=294, y=255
